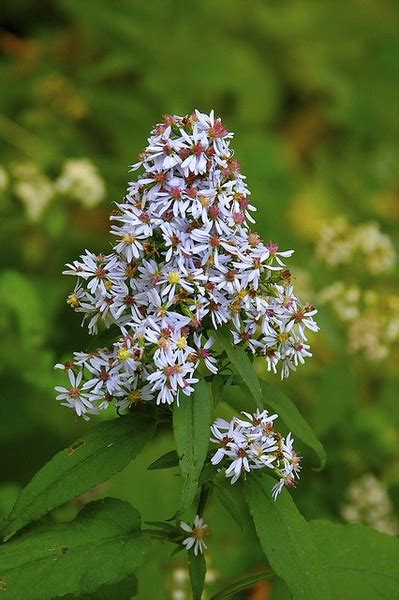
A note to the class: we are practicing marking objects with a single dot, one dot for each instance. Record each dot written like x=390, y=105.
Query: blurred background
x=311, y=90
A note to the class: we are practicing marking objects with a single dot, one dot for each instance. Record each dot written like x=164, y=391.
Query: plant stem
x=203, y=499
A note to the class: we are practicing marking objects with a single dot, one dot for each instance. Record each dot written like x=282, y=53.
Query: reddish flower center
x=214, y=212
x=103, y=375
x=175, y=192
x=198, y=149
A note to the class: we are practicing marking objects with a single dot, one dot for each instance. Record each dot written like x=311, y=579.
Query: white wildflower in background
x=197, y=533
x=369, y=503
x=253, y=443
x=335, y=245
x=345, y=300
x=78, y=181
x=32, y=188
x=371, y=318
x=343, y=244
x=81, y=181
x=185, y=261
x=376, y=247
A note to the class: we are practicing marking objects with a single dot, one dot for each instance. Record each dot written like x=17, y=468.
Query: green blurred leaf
x=293, y=419
x=338, y=389
x=104, y=338
x=166, y=461
x=286, y=539
x=242, y=584
x=191, y=425
x=197, y=569
x=122, y=590
x=241, y=364
x=22, y=321
x=102, y=546
x=359, y=562
x=92, y=459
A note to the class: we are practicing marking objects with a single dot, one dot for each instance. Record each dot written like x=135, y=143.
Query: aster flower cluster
x=185, y=261
x=253, y=443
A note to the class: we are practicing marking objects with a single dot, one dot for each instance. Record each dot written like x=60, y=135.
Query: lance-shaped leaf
x=360, y=562
x=197, y=569
x=277, y=401
x=242, y=584
x=191, y=424
x=166, y=461
x=286, y=539
x=241, y=364
x=102, y=546
x=101, y=452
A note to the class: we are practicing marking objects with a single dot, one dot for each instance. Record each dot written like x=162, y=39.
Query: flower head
x=197, y=534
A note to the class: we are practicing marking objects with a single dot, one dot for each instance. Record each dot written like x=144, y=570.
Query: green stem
x=203, y=499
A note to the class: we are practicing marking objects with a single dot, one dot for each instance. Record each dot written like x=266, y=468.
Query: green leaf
x=360, y=562
x=242, y=584
x=293, y=419
x=9, y=493
x=197, y=569
x=208, y=473
x=166, y=461
x=191, y=424
x=241, y=364
x=226, y=497
x=106, y=337
x=122, y=590
x=101, y=452
x=102, y=546
x=286, y=539
x=163, y=525
x=218, y=389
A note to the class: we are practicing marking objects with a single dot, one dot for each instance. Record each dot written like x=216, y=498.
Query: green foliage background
x=311, y=90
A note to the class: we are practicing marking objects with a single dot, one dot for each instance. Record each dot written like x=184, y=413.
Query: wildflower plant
x=186, y=301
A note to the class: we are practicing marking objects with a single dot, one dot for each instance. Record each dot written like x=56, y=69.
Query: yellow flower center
x=181, y=342
x=174, y=277
x=199, y=532
x=73, y=300
x=128, y=238
x=134, y=397
x=282, y=337
x=204, y=200
x=241, y=294
x=124, y=354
